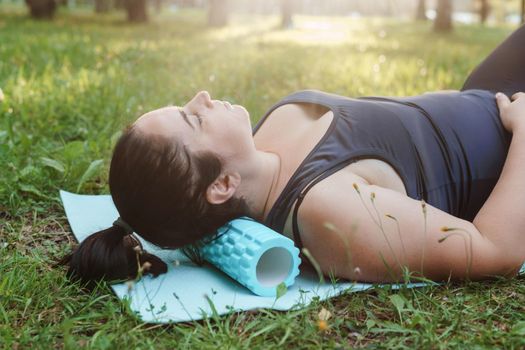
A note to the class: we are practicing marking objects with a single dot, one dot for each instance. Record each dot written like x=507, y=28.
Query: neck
x=259, y=183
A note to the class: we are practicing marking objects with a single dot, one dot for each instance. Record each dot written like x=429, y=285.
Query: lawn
x=70, y=85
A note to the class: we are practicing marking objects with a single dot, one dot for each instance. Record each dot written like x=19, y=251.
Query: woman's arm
x=349, y=234
x=502, y=217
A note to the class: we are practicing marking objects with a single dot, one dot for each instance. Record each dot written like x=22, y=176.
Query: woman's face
x=204, y=124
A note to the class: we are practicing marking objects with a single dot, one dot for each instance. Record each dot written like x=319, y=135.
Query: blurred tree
x=41, y=9
x=119, y=4
x=158, y=5
x=136, y=10
x=484, y=10
x=218, y=13
x=443, y=21
x=522, y=11
x=421, y=11
x=287, y=7
x=102, y=6
x=186, y=3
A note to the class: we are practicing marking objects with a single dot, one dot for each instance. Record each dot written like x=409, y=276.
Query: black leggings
x=504, y=69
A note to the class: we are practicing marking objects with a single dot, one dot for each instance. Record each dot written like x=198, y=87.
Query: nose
x=205, y=98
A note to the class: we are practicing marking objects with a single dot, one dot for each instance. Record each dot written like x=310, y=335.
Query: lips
x=227, y=104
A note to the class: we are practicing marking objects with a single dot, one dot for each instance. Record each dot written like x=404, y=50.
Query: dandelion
x=322, y=325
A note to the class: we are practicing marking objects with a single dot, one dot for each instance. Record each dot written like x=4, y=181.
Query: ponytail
x=110, y=255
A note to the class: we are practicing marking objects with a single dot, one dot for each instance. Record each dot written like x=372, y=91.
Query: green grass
x=72, y=84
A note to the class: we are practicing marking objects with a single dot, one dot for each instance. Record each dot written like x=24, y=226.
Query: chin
x=245, y=114
x=243, y=110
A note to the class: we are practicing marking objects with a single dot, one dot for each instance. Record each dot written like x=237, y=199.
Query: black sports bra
x=448, y=148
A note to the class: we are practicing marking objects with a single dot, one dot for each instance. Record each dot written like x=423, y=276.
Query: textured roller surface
x=254, y=255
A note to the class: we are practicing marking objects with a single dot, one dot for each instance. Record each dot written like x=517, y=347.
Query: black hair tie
x=123, y=225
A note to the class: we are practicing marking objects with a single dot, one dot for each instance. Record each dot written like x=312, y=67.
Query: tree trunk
x=421, y=12
x=443, y=22
x=102, y=6
x=522, y=11
x=158, y=6
x=136, y=10
x=120, y=4
x=287, y=7
x=484, y=10
x=218, y=13
x=41, y=9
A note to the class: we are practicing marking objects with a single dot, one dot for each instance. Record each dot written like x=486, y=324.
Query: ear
x=223, y=188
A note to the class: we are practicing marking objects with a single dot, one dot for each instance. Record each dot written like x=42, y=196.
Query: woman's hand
x=512, y=114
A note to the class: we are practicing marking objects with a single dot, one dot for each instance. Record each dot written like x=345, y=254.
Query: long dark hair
x=159, y=189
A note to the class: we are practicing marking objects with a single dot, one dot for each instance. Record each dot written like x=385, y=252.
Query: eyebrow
x=185, y=117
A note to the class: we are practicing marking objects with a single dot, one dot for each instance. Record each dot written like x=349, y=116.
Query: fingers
x=502, y=100
x=517, y=95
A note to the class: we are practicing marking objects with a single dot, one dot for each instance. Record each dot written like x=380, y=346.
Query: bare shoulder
x=328, y=199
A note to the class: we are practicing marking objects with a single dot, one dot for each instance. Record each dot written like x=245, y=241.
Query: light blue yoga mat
x=188, y=292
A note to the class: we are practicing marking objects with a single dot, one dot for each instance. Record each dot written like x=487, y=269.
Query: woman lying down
x=372, y=187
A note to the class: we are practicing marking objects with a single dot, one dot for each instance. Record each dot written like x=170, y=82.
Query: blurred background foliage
x=72, y=80
x=70, y=84
x=219, y=11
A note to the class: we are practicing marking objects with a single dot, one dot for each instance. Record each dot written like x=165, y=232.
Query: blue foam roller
x=254, y=255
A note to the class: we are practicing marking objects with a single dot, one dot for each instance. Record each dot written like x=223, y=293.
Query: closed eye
x=199, y=118
x=186, y=119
